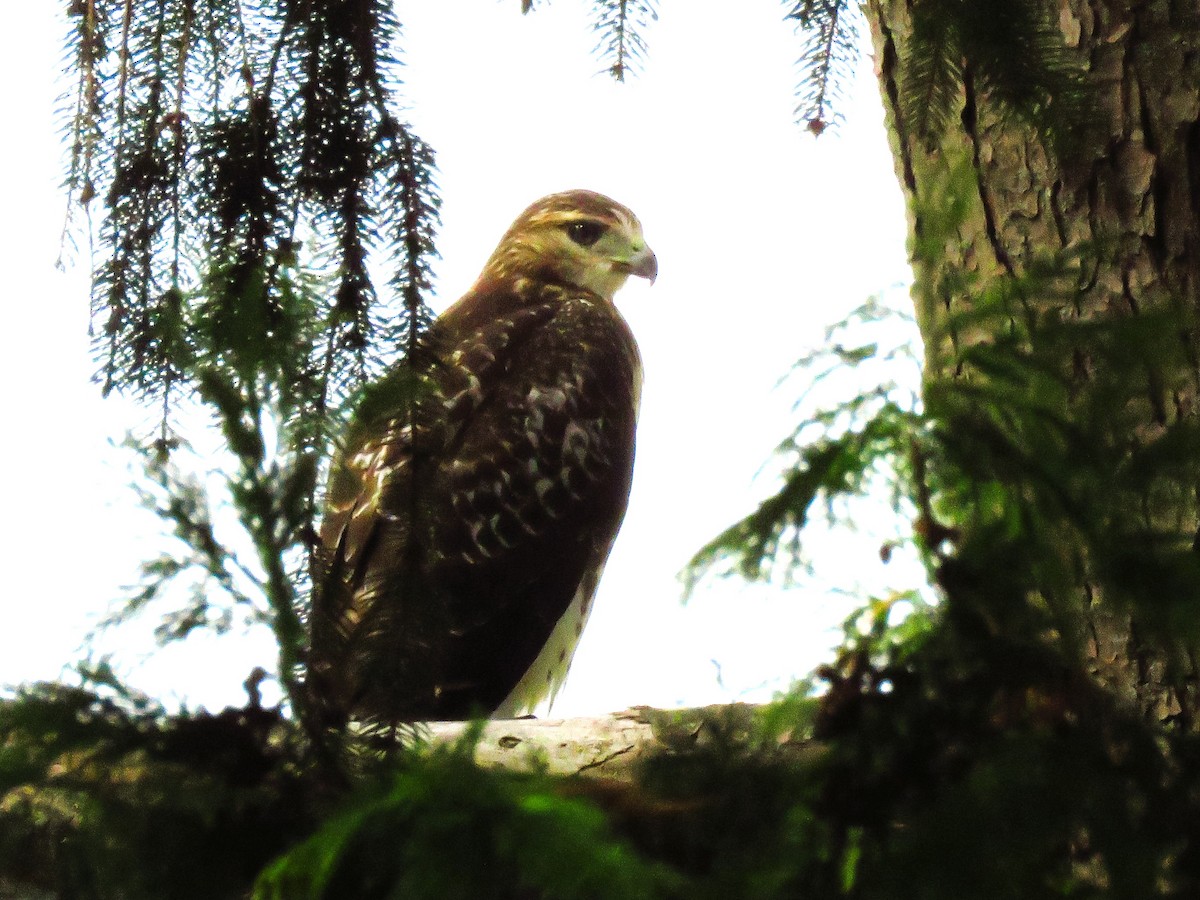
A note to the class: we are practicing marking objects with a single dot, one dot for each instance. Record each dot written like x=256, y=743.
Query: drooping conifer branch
x=619, y=24
x=253, y=171
x=245, y=136
x=827, y=58
x=412, y=191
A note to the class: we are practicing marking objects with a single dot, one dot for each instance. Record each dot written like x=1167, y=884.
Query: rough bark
x=1132, y=201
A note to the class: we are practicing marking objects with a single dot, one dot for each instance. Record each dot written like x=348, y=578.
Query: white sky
x=764, y=236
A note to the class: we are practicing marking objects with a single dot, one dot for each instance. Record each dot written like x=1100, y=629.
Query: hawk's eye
x=585, y=232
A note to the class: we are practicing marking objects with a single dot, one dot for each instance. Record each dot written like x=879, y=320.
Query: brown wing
x=460, y=534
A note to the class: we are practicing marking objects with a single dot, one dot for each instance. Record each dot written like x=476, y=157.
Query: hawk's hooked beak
x=644, y=264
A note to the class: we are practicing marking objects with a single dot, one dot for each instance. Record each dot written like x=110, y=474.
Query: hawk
x=480, y=487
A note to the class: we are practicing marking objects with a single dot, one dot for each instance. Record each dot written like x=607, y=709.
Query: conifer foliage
x=619, y=24
x=251, y=176
x=228, y=142
x=1010, y=49
x=830, y=34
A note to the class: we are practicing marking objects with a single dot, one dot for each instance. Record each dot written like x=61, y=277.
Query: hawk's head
x=579, y=238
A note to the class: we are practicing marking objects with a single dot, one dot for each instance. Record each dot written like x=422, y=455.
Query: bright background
x=765, y=235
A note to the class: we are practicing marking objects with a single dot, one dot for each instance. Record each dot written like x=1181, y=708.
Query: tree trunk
x=1132, y=200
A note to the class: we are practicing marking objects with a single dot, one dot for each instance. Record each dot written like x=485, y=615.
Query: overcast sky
x=764, y=235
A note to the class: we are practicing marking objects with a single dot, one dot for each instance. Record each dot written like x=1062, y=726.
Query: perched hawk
x=479, y=491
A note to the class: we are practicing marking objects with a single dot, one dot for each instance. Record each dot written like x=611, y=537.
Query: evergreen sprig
x=830, y=49
x=1009, y=53
x=620, y=25
x=267, y=399
x=219, y=584
x=835, y=451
